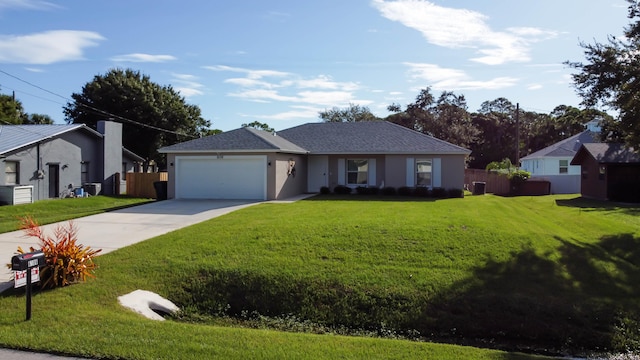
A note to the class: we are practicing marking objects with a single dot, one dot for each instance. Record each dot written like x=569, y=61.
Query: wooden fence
x=495, y=183
x=141, y=184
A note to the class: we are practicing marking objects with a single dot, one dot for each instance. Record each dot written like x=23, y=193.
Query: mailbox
x=27, y=261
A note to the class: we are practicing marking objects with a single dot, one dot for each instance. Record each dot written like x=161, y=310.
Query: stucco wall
x=286, y=185
x=66, y=151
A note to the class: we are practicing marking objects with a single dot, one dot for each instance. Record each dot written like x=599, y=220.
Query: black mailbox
x=27, y=261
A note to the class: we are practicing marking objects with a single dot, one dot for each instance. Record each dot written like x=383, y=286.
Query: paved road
x=6, y=354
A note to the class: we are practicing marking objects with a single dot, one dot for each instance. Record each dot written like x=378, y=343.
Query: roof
x=13, y=137
x=567, y=147
x=245, y=139
x=367, y=137
x=606, y=154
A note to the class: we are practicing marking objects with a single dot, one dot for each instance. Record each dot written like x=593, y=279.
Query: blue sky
x=280, y=62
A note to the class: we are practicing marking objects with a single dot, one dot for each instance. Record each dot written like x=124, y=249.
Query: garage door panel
x=227, y=178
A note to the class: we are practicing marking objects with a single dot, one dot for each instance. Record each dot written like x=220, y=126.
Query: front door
x=54, y=180
x=318, y=173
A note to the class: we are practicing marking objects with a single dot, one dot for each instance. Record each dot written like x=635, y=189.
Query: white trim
x=411, y=172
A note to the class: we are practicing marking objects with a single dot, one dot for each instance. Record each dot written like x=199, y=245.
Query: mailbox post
x=27, y=262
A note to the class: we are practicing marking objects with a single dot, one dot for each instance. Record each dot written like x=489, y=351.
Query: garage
x=221, y=177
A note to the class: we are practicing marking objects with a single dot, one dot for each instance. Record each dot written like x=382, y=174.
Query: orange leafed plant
x=67, y=262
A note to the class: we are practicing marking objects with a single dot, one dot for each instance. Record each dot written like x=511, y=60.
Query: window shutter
x=411, y=172
x=372, y=172
x=436, y=172
x=342, y=172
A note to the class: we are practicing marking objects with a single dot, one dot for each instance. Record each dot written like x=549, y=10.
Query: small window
x=423, y=175
x=564, y=167
x=12, y=172
x=357, y=172
x=124, y=171
x=602, y=172
x=84, y=172
x=585, y=174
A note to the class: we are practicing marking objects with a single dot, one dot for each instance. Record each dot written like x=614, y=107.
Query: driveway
x=116, y=229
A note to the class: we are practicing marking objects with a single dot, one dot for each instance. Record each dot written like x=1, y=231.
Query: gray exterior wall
x=66, y=151
x=391, y=170
x=286, y=185
x=111, y=152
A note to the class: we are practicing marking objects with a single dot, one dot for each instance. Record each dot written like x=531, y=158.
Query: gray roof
x=239, y=140
x=607, y=153
x=371, y=137
x=13, y=137
x=567, y=147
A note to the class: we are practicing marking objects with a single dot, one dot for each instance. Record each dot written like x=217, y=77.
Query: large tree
x=352, y=113
x=610, y=76
x=152, y=115
x=11, y=111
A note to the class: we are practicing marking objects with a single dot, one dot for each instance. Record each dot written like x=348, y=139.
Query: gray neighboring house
x=50, y=158
x=253, y=164
x=553, y=163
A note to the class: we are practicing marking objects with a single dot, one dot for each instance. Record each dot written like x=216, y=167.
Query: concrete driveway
x=116, y=229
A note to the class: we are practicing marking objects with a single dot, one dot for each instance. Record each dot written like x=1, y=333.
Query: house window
x=564, y=167
x=423, y=174
x=84, y=172
x=12, y=172
x=357, y=172
x=601, y=172
x=124, y=171
x=585, y=174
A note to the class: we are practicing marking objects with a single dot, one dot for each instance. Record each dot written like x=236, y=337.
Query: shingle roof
x=366, y=137
x=567, y=147
x=243, y=139
x=14, y=137
x=607, y=153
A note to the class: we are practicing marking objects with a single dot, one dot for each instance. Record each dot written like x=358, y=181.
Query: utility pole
x=517, y=135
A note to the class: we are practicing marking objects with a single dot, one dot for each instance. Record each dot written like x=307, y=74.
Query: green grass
x=54, y=210
x=545, y=274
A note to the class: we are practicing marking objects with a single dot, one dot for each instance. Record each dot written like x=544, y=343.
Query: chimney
x=111, y=156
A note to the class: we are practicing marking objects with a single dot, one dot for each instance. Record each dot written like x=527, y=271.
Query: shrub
x=517, y=178
x=325, y=190
x=455, y=193
x=67, y=262
x=341, y=189
x=421, y=191
x=405, y=191
x=389, y=190
x=439, y=192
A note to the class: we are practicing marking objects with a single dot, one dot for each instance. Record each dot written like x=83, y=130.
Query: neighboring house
x=553, y=163
x=609, y=172
x=51, y=158
x=253, y=164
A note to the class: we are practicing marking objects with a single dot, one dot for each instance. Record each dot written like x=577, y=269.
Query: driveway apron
x=116, y=229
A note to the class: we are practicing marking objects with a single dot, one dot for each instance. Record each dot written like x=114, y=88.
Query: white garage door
x=228, y=177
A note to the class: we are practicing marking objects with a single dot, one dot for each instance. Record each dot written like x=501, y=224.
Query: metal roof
x=13, y=137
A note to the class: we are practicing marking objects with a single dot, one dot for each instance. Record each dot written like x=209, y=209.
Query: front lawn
x=546, y=274
x=54, y=210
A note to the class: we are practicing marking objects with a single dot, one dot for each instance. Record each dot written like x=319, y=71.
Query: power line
x=99, y=111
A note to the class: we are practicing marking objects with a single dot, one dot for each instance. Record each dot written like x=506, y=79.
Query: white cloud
x=251, y=74
x=462, y=28
x=440, y=78
x=534, y=87
x=298, y=112
x=139, y=57
x=27, y=4
x=46, y=47
x=187, y=84
x=35, y=70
